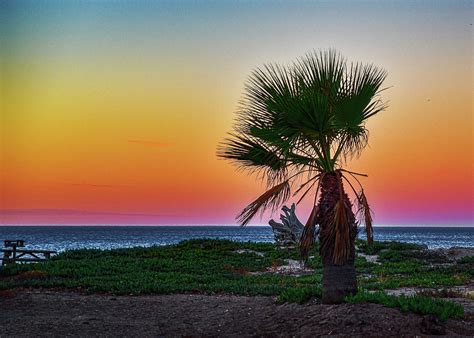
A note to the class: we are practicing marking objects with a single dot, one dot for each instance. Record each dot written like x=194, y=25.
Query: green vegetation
x=205, y=266
x=405, y=264
x=216, y=266
x=418, y=304
x=299, y=295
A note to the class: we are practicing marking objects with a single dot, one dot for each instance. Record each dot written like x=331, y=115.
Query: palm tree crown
x=297, y=123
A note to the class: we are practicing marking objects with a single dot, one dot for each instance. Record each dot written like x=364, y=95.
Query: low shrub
x=299, y=295
x=466, y=260
x=417, y=304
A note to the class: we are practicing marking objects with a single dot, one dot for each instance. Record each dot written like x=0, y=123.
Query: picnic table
x=13, y=255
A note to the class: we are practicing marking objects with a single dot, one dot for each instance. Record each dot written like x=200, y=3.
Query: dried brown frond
x=271, y=198
x=366, y=215
x=326, y=240
x=342, y=240
x=307, y=237
x=364, y=212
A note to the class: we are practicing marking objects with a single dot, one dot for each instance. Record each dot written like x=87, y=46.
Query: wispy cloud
x=148, y=143
x=73, y=212
x=93, y=185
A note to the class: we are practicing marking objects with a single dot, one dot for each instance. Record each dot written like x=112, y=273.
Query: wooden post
x=6, y=258
x=14, y=254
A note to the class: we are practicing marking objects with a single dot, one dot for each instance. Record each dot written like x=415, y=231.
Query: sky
x=111, y=111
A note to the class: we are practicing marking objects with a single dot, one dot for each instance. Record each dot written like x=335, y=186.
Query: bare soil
x=59, y=313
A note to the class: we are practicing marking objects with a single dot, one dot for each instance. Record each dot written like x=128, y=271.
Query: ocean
x=62, y=238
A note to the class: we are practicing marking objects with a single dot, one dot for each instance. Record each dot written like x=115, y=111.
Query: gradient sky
x=111, y=110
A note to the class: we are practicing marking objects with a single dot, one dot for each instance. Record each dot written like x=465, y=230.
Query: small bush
x=298, y=295
x=31, y=275
x=373, y=249
x=466, y=260
x=417, y=304
x=377, y=247
x=394, y=256
x=363, y=266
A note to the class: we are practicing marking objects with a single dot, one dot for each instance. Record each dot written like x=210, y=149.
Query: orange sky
x=111, y=113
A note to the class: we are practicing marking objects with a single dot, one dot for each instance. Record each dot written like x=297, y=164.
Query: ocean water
x=62, y=238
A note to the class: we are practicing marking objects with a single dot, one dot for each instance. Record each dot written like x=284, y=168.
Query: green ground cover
x=215, y=266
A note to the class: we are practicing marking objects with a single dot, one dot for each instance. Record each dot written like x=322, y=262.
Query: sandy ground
x=59, y=313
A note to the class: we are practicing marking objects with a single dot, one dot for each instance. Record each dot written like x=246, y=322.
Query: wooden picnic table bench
x=13, y=255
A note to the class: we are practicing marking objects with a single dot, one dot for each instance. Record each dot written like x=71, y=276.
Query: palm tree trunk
x=339, y=276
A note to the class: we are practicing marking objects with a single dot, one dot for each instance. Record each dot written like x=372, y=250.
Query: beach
x=59, y=313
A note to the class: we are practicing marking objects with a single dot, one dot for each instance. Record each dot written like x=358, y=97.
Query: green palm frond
x=323, y=72
x=357, y=101
x=248, y=152
x=309, y=115
x=271, y=198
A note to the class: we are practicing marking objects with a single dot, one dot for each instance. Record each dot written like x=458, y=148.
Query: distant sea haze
x=62, y=238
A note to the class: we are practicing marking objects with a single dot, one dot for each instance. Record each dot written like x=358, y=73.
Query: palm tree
x=296, y=127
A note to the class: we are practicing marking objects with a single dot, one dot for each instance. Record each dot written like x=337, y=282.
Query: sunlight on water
x=62, y=238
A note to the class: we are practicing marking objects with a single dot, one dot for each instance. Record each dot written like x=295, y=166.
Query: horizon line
x=233, y=225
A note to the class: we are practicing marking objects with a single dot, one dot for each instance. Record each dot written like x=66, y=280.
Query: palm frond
x=273, y=198
x=363, y=211
x=254, y=155
x=305, y=184
x=306, y=192
x=309, y=233
x=336, y=236
x=356, y=140
x=356, y=101
x=342, y=241
x=270, y=93
x=322, y=71
x=366, y=215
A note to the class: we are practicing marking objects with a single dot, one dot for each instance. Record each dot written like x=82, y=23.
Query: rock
x=291, y=268
x=456, y=253
x=369, y=258
x=245, y=251
x=288, y=232
x=404, y=291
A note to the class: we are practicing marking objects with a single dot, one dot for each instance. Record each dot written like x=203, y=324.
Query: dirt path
x=50, y=313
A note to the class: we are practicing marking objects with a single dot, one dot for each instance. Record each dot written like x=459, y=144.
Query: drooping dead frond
x=342, y=240
x=366, y=215
x=271, y=198
x=364, y=212
x=308, y=235
x=336, y=236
